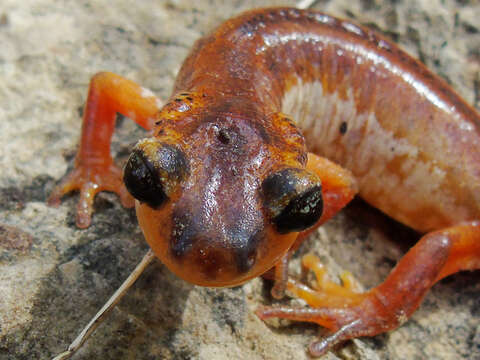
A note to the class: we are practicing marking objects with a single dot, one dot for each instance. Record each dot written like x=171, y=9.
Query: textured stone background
x=54, y=277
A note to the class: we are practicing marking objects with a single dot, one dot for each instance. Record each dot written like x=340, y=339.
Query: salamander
x=277, y=119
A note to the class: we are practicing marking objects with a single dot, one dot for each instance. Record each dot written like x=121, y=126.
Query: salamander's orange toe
x=90, y=181
x=350, y=314
x=336, y=307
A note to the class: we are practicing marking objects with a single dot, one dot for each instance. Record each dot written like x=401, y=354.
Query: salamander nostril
x=246, y=249
x=246, y=259
x=223, y=136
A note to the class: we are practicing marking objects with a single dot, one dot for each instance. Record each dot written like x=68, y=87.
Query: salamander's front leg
x=349, y=314
x=94, y=169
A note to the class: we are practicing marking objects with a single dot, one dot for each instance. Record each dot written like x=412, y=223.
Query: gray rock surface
x=54, y=277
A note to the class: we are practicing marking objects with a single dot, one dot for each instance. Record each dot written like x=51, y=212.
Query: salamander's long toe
x=350, y=314
x=89, y=182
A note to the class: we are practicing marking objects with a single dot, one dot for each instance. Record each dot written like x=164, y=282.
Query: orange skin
x=213, y=223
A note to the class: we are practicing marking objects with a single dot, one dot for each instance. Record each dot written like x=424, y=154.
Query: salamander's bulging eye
x=153, y=171
x=293, y=198
x=142, y=181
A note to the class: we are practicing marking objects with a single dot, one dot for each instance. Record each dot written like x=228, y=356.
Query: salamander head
x=221, y=206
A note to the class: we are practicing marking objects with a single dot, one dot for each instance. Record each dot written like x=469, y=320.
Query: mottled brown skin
x=225, y=163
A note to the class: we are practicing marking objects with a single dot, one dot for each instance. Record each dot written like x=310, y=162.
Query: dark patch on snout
x=188, y=241
x=246, y=253
x=235, y=250
x=183, y=232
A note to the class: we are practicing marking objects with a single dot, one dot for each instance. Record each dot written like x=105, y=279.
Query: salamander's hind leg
x=94, y=169
x=349, y=314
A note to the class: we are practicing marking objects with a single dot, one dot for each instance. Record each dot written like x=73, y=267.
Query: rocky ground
x=54, y=277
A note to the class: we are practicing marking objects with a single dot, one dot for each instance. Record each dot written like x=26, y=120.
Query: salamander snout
x=213, y=226
x=219, y=252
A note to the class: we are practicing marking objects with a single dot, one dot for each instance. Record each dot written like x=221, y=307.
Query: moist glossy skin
x=399, y=119
x=226, y=190
x=358, y=100
x=214, y=230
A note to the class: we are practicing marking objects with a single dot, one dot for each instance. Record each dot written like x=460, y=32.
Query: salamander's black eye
x=293, y=197
x=153, y=171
